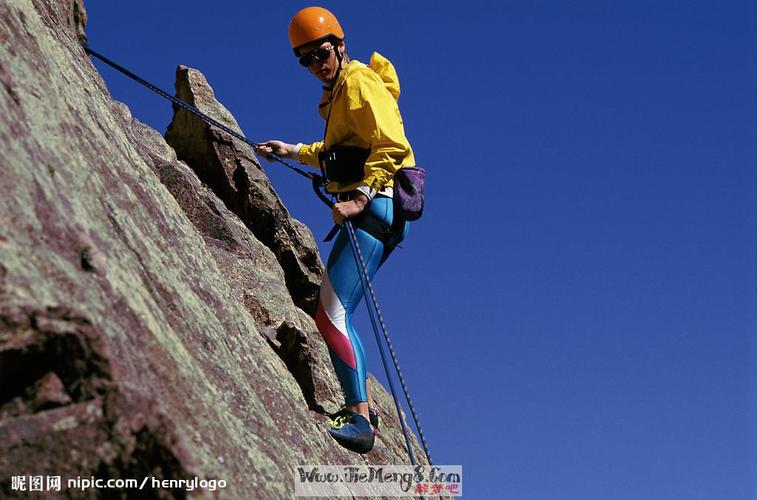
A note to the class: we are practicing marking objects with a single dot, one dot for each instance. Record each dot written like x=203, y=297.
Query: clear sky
x=575, y=314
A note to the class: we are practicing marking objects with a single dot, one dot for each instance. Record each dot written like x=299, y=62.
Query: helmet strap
x=339, y=59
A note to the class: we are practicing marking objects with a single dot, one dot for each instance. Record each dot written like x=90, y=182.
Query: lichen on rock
x=148, y=325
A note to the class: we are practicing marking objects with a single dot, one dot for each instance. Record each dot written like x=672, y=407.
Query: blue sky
x=575, y=313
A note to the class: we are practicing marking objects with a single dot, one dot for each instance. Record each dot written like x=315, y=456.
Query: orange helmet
x=311, y=24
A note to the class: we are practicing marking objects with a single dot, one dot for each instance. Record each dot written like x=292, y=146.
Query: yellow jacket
x=364, y=113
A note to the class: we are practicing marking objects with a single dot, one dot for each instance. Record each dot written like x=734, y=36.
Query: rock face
x=231, y=169
x=153, y=316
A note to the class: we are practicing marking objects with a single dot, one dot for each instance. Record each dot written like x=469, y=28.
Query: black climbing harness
x=319, y=184
x=344, y=163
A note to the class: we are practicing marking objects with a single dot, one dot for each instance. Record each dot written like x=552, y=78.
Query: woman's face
x=323, y=70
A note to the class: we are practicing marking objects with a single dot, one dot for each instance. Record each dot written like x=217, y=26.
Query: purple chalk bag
x=408, y=192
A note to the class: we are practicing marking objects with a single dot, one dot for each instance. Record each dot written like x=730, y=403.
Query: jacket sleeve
x=308, y=153
x=375, y=117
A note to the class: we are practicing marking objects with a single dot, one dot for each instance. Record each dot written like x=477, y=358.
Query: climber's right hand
x=277, y=147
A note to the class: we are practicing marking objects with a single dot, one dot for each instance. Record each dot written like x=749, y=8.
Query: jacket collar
x=346, y=70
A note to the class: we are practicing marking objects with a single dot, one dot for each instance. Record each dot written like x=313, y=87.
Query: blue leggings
x=341, y=292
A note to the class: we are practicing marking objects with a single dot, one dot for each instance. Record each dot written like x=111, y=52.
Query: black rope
x=368, y=291
x=360, y=263
x=197, y=112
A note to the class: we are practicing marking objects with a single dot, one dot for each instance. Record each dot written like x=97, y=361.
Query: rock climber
x=364, y=145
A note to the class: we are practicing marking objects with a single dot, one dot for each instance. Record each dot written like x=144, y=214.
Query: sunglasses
x=320, y=54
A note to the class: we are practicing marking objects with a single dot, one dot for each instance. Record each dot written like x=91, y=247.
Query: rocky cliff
x=154, y=296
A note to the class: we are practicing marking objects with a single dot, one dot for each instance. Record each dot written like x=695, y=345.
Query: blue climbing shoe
x=353, y=432
x=373, y=416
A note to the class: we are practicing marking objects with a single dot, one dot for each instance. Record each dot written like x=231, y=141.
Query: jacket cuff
x=308, y=153
x=367, y=190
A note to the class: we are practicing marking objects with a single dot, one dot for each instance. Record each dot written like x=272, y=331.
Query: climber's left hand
x=348, y=209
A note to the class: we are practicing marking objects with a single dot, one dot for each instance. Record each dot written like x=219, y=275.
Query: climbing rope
x=368, y=291
x=197, y=112
x=318, y=183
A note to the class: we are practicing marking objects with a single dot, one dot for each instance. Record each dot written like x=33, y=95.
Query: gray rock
x=144, y=328
x=231, y=169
